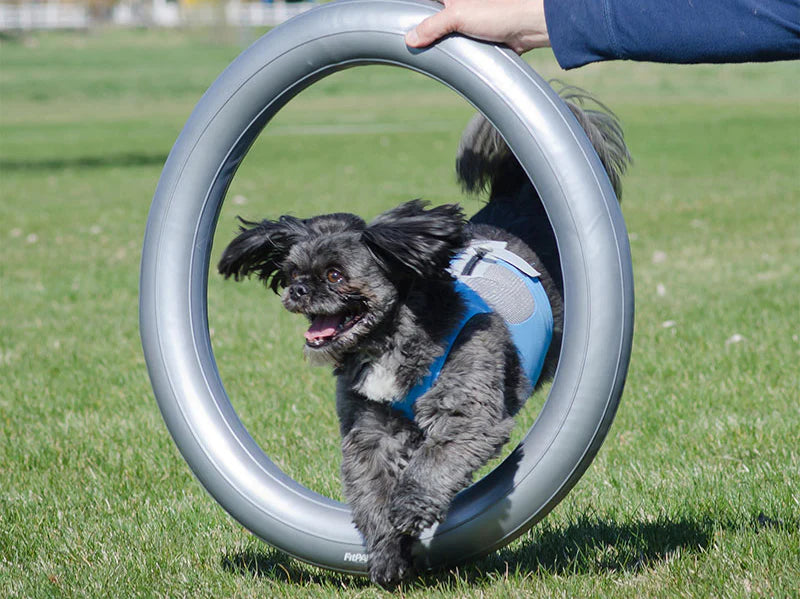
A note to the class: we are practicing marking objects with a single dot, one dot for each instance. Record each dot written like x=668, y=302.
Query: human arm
x=584, y=31
x=673, y=31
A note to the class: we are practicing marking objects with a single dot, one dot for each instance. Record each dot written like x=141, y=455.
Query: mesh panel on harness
x=491, y=278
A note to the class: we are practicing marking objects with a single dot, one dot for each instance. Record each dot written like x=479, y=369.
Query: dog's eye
x=294, y=275
x=334, y=276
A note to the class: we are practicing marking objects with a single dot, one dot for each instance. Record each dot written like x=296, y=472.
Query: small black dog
x=383, y=306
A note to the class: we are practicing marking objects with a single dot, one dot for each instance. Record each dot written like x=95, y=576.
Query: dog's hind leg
x=375, y=450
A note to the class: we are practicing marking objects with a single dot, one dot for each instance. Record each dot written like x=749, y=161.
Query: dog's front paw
x=391, y=563
x=413, y=508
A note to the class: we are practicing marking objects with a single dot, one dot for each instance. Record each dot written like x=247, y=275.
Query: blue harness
x=531, y=332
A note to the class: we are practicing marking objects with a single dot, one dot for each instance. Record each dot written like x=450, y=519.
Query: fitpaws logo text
x=356, y=558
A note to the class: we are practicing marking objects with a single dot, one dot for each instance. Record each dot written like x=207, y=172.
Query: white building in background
x=242, y=13
x=75, y=14
x=46, y=14
x=161, y=13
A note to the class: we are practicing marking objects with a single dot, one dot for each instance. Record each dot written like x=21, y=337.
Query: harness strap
x=474, y=306
x=478, y=249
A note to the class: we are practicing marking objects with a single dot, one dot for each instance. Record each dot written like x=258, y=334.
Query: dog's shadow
x=589, y=545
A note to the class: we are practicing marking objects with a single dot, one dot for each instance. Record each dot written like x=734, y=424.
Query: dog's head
x=346, y=276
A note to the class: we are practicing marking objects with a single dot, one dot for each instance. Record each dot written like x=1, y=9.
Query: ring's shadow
x=588, y=546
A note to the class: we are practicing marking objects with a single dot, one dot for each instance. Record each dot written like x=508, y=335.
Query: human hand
x=520, y=24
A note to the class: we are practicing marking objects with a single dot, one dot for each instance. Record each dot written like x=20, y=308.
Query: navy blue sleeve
x=676, y=31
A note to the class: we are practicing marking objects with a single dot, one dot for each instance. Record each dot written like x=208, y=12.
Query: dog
x=383, y=306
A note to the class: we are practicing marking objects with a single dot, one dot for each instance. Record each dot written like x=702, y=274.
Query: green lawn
x=696, y=491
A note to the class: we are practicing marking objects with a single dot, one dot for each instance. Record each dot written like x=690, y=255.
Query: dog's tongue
x=323, y=327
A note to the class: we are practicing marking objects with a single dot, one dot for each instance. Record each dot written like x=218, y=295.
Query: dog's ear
x=262, y=248
x=413, y=241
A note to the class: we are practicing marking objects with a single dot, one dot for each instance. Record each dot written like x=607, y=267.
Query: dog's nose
x=297, y=290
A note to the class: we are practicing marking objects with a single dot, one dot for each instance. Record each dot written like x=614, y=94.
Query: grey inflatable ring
x=176, y=257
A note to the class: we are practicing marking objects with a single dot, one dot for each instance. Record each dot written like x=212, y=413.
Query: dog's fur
x=381, y=303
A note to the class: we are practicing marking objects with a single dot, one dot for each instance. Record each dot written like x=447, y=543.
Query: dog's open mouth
x=328, y=327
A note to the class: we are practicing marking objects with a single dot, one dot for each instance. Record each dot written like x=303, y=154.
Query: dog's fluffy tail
x=485, y=162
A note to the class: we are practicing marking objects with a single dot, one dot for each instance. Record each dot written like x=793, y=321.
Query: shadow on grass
x=587, y=546
x=591, y=546
x=278, y=566
x=83, y=162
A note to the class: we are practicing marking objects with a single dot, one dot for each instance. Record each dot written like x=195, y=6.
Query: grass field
x=696, y=492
